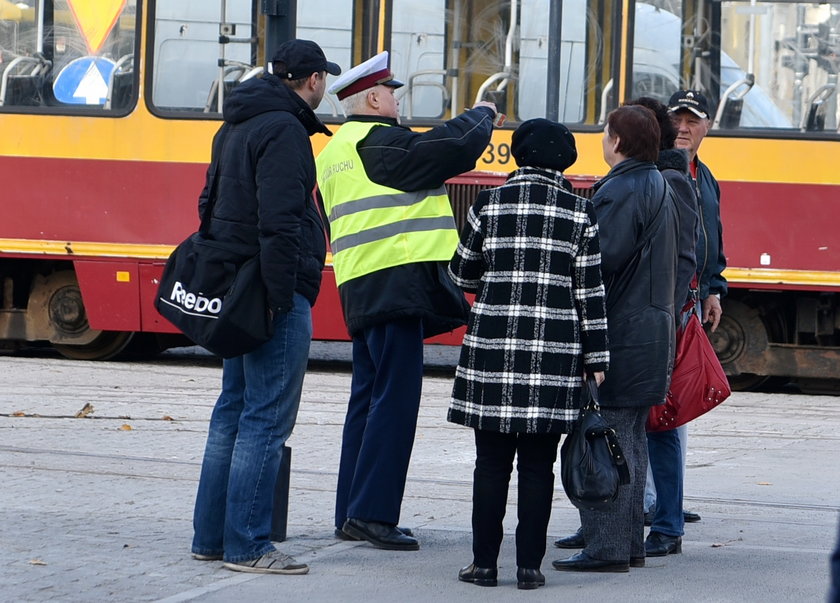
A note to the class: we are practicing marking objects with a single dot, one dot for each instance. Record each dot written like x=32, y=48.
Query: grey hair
x=355, y=103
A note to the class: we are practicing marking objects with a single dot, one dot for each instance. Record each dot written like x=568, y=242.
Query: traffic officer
x=392, y=234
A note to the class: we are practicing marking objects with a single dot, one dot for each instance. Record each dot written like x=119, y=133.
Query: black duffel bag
x=216, y=296
x=592, y=465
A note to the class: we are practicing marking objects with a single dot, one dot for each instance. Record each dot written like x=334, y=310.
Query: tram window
x=451, y=53
x=534, y=61
x=187, y=52
x=68, y=56
x=327, y=23
x=418, y=57
x=657, y=41
x=791, y=50
x=775, y=68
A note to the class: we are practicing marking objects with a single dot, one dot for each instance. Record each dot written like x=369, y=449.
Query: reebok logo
x=193, y=302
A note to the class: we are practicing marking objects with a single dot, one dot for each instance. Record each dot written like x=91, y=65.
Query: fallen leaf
x=717, y=544
x=18, y=413
x=126, y=427
x=765, y=484
x=167, y=418
x=86, y=410
x=37, y=562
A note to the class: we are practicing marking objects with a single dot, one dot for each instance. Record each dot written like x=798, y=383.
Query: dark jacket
x=264, y=193
x=529, y=251
x=395, y=156
x=711, y=261
x=638, y=229
x=673, y=164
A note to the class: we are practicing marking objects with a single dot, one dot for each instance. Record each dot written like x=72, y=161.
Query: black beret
x=543, y=143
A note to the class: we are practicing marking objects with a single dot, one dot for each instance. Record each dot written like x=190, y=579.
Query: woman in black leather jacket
x=639, y=233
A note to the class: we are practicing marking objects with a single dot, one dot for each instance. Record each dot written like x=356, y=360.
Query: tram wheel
x=740, y=334
x=105, y=346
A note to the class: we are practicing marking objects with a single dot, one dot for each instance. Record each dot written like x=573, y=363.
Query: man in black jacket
x=392, y=234
x=266, y=175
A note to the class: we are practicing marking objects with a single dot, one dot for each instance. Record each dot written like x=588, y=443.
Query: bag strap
x=609, y=433
x=214, y=180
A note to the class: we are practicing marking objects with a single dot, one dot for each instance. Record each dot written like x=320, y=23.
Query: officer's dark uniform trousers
x=381, y=421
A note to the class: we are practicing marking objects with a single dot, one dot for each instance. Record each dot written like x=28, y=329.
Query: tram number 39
x=497, y=153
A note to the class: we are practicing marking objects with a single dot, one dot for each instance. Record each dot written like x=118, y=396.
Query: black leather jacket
x=639, y=228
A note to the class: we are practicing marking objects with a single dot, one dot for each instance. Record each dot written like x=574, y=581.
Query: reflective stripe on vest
x=374, y=227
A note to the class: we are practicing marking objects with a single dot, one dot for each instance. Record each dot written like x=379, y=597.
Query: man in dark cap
x=690, y=115
x=530, y=252
x=261, y=177
x=392, y=232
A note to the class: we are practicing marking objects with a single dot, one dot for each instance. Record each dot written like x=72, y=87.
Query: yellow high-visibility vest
x=373, y=227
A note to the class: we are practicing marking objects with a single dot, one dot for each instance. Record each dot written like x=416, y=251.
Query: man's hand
x=599, y=377
x=712, y=311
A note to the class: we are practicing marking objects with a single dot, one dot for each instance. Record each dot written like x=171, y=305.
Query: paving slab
x=99, y=507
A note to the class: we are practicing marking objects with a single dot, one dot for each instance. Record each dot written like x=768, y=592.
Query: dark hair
x=667, y=131
x=637, y=128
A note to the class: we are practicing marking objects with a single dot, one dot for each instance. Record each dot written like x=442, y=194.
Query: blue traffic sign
x=84, y=81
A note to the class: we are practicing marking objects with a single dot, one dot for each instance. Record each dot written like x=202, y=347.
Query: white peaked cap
x=373, y=72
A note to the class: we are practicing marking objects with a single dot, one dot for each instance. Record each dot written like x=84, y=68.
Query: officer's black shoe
x=575, y=541
x=379, y=534
x=529, y=579
x=658, y=544
x=480, y=576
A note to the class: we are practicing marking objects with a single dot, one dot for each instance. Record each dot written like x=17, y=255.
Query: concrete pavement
x=99, y=508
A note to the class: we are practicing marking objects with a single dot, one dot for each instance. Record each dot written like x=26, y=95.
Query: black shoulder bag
x=592, y=465
x=213, y=291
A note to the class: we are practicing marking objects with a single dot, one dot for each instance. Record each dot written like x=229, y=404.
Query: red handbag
x=698, y=383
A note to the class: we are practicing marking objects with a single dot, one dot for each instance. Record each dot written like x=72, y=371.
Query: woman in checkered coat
x=530, y=253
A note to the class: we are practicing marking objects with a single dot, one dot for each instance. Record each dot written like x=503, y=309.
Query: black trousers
x=493, y=466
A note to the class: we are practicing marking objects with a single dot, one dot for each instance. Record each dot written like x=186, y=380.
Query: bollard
x=280, y=513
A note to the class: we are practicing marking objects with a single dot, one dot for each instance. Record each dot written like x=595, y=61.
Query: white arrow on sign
x=93, y=87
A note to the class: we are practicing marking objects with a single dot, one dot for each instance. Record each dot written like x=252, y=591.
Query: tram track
x=431, y=484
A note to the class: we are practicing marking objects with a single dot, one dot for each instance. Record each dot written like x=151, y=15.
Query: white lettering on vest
x=341, y=166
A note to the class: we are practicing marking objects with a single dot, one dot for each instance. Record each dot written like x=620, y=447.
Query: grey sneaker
x=273, y=562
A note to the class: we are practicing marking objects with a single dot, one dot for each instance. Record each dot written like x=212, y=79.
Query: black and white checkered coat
x=530, y=253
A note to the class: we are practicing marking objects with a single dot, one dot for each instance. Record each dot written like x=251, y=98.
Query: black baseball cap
x=689, y=99
x=302, y=58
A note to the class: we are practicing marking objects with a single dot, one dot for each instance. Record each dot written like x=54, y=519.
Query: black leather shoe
x=381, y=535
x=649, y=518
x=480, y=576
x=575, y=541
x=529, y=579
x=637, y=561
x=689, y=517
x=584, y=563
x=659, y=545
x=342, y=536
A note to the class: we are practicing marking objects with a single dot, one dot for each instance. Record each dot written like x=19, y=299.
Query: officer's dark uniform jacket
x=638, y=230
x=711, y=261
x=264, y=193
x=396, y=157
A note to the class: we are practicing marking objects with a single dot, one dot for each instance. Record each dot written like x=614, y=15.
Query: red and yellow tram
x=107, y=109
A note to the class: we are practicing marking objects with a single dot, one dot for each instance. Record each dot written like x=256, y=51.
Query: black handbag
x=214, y=292
x=592, y=465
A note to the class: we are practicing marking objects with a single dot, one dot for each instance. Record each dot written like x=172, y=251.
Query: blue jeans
x=650, y=487
x=381, y=420
x=252, y=419
x=667, y=469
